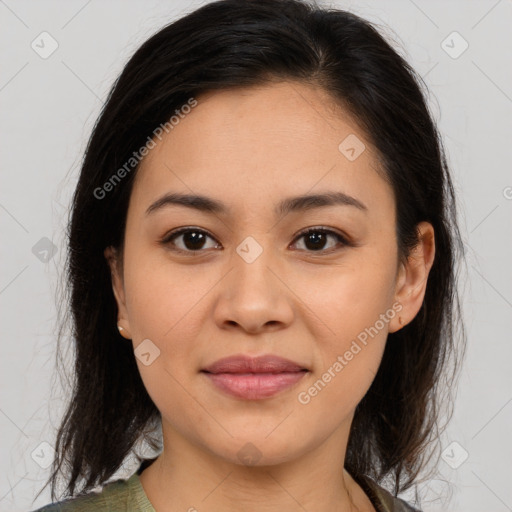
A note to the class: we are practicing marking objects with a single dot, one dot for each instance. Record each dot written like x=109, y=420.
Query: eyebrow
x=291, y=204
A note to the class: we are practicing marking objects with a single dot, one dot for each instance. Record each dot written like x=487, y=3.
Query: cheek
x=353, y=307
x=349, y=352
x=165, y=307
x=349, y=297
x=335, y=392
x=168, y=305
x=162, y=299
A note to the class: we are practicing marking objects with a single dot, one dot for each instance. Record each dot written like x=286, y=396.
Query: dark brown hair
x=236, y=43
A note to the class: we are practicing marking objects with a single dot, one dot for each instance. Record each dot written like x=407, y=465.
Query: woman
x=262, y=257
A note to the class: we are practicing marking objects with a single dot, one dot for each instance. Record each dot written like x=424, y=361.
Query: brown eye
x=192, y=240
x=316, y=239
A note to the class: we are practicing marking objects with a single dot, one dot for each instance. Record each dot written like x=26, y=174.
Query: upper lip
x=247, y=364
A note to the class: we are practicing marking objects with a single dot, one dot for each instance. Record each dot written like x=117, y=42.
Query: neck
x=186, y=477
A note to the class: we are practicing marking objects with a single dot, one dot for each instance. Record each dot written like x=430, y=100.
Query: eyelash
x=174, y=234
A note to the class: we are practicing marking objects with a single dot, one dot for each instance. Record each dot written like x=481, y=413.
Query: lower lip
x=254, y=386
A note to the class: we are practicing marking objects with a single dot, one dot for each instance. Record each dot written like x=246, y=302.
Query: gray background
x=48, y=109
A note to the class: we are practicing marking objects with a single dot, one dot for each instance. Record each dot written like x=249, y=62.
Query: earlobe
x=413, y=275
x=123, y=331
x=118, y=290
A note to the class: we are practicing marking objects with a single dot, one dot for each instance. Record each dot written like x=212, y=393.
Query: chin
x=259, y=449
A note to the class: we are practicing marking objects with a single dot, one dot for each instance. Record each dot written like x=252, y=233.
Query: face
x=244, y=278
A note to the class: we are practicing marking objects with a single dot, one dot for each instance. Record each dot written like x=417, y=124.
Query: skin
x=250, y=148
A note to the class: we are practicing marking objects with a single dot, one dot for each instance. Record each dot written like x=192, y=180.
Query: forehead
x=248, y=145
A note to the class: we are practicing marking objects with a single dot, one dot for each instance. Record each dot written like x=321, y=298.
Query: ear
x=113, y=261
x=412, y=277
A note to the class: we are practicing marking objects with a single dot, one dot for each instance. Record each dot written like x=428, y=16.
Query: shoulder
x=384, y=499
x=116, y=496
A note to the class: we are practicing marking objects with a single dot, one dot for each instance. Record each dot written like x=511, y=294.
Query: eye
x=193, y=239
x=315, y=239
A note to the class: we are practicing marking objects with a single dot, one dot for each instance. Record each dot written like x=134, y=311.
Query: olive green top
x=122, y=495
x=128, y=496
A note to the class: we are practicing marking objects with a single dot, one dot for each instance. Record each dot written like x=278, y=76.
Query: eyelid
x=344, y=239
x=166, y=239
x=324, y=229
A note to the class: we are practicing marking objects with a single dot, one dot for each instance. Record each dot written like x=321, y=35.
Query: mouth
x=261, y=364
x=254, y=386
x=254, y=378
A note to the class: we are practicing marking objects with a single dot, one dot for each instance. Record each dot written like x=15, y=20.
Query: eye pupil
x=317, y=238
x=193, y=240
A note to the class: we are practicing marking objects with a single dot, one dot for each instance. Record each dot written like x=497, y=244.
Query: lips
x=254, y=378
x=247, y=364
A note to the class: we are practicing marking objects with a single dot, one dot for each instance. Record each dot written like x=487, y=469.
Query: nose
x=253, y=296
